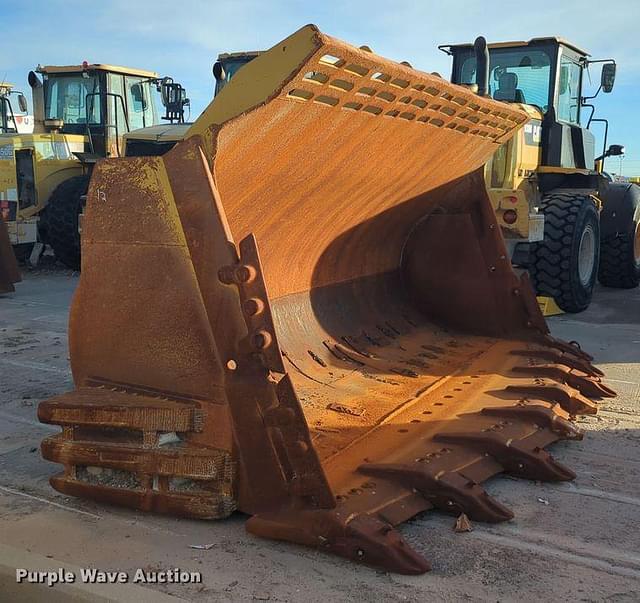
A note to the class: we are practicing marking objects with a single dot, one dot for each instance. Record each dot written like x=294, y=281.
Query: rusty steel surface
x=305, y=311
x=9, y=272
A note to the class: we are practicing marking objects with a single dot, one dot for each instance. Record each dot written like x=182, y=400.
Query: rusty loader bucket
x=9, y=273
x=304, y=311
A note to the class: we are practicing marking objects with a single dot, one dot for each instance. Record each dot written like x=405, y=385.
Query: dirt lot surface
x=577, y=541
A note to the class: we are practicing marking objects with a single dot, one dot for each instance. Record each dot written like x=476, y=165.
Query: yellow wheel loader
x=10, y=122
x=81, y=113
x=160, y=139
x=305, y=311
x=9, y=273
x=563, y=219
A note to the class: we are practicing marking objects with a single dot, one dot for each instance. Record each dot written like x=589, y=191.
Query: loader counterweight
x=316, y=271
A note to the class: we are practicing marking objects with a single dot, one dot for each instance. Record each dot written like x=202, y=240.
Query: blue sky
x=183, y=38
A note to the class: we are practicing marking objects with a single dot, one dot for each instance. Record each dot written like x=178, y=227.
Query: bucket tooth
x=557, y=357
x=551, y=417
x=588, y=386
x=363, y=537
x=448, y=491
x=514, y=455
x=570, y=347
x=567, y=397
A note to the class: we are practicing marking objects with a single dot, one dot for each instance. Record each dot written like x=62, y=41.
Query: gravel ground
x=576, y=541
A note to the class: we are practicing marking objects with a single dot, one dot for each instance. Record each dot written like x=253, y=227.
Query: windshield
x=231, y=66
x=519, y=75
x=66, y=97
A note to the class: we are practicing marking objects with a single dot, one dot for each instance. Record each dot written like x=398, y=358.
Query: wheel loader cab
x=227, y=66
x=99, y=101
x=6, y=126
x=159, y=140
x=546, y=73
x=8, y=122
x=561, y=218
x=81, y=114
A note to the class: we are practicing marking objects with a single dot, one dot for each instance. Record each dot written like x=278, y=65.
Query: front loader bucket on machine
x=9, y=273
x=305, y=311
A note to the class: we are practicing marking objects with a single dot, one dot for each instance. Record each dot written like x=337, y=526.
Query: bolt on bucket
x=305, y=311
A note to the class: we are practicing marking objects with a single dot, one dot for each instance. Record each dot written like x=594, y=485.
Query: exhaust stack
x=37, y=96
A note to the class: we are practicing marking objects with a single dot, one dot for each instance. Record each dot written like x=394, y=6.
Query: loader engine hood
x=154, y=140
x=305, y=311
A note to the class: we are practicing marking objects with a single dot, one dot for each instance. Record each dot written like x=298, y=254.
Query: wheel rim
x=587, y=255
x=636, y=245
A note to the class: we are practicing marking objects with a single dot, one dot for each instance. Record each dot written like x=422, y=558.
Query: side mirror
x=608, y=77
x=22, y=102
x=219, y=72
x=173, y=95
x=164, y=90
x=615, y=150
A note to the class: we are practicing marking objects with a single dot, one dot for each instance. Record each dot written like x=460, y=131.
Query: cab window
x=519, y=75
x=569, y=90
x=116, y=104
x=72, y=98
x=139, y=103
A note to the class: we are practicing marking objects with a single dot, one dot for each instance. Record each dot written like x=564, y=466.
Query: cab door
x=569, y=145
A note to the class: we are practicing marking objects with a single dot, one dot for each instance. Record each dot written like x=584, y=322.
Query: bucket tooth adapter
x=305, y=311
x=9, y=272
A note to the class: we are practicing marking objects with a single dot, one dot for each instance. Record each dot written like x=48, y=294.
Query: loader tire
x=61, y=220
x=620, y=251
x=564, y=265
